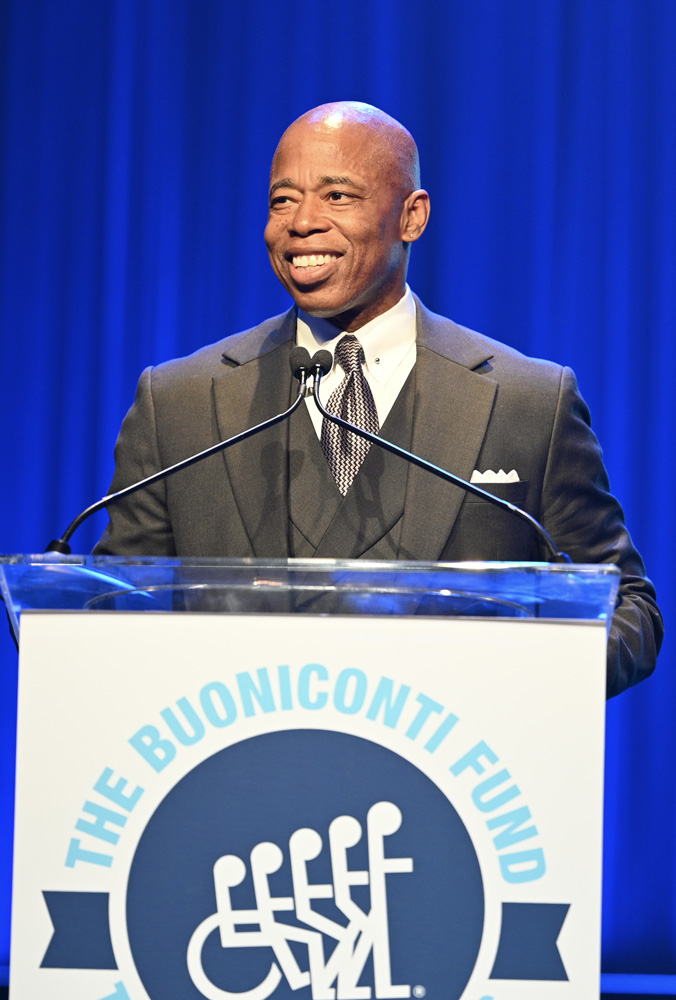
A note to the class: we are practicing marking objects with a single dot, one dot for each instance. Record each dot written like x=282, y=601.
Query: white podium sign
x=237, y=807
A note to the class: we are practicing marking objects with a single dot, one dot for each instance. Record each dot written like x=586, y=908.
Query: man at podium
x=345, y=207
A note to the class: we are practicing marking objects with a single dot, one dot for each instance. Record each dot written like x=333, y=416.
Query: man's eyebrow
x=328, y=181
x=285, y=182
x=324, y=181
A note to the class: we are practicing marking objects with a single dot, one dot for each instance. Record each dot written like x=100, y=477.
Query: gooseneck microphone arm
x=300, y=367
x=321, y=364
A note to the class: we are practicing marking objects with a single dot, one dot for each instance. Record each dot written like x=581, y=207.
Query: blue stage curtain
x=136, y=137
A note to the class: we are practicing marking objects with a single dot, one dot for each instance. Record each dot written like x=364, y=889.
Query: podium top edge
x=306, y=586
x=306, y=565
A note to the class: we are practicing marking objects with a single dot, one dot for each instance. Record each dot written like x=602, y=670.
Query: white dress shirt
x=389, y=350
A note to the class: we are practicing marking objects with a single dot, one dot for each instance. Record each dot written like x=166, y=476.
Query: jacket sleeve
x=138, y=525
x=587, y=522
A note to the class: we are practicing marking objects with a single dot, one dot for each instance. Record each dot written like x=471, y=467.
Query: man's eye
x=281, y=201
x=338, y=195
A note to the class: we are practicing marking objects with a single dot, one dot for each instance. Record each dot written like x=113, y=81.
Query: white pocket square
x=495, y=477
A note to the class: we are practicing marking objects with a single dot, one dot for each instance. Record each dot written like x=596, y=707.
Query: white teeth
x=313, y=259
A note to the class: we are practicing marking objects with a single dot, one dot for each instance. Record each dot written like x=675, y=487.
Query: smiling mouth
x=313, y=260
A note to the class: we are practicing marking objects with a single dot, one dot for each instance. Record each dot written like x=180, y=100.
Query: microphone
x=300, y=363
x=321, y=364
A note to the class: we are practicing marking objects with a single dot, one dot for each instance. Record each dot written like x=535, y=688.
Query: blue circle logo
x=305, y=863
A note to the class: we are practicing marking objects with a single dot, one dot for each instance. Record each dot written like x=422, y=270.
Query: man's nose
x=308, y=217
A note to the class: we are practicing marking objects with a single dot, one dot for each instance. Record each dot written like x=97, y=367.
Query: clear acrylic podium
x=323, y=586
x=398, y=794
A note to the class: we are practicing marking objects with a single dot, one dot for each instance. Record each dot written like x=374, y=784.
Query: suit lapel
x=453, y=405
x=256, y=389
x=314, y=497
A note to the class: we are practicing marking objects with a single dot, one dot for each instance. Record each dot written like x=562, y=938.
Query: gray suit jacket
x=473, y=402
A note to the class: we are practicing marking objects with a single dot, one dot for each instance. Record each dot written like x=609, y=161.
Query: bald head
x=389, y=145
x=344, y=209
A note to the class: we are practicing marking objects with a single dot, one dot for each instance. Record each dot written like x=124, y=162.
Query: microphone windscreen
x=323, y=360
x=299, y=361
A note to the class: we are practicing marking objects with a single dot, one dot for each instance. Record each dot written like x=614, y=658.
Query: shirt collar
x=386, y=339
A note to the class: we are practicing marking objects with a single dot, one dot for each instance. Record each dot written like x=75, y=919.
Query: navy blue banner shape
x=527, y=947
x=81, y=938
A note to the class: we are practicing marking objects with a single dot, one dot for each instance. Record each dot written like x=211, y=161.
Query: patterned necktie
x=353, y=401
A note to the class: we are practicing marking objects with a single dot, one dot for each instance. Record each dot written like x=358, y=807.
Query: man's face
x=334, y=232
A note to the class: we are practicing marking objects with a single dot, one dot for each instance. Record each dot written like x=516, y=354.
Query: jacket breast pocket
x=515, y=493
x=485, y=531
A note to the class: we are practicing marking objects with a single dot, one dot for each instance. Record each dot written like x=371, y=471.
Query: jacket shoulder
x=482, y=354
x=507, y=363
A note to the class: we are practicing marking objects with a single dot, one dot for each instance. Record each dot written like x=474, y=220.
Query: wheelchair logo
x=365, y=933
x=304, y=863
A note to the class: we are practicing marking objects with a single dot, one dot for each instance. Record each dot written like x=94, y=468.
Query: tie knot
x=349, y=354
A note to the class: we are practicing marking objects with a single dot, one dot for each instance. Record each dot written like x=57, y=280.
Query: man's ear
x=415, y=215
